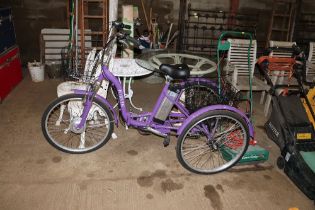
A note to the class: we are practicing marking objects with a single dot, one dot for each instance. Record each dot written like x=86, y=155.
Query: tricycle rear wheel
x=213, y=142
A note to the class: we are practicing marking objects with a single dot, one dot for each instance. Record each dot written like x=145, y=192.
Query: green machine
x=254, y=154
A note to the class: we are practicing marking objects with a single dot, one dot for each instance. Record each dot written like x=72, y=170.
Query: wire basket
x=229, y=94
x=196, y=96
x=92, y=67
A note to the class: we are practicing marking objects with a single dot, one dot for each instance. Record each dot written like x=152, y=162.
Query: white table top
x=127, y=67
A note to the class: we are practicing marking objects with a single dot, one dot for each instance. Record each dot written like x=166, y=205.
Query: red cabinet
x=10, y=71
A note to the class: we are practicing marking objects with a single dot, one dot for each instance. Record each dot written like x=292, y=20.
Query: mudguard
x=102, y=99
x=217, y=107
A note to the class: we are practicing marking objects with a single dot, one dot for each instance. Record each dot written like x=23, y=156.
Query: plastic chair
x=280, y=71
x=281, y=49
x=91, y=71
x=237, y=66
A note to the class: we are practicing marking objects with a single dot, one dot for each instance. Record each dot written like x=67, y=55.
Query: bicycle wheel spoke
x=68, y=140
x=96, y=126
x=96, y=133
x=226, y=131
x=194, y=146
x=225, y=142
x=196, y=156
x=194, y=150
x=195, y=142
x=206, y=161
x=221, y=157
x=199, y=158
x=57, y=129
x=58, y=134
x=92, y=139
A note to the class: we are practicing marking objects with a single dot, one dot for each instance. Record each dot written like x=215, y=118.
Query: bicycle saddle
x=177, y=71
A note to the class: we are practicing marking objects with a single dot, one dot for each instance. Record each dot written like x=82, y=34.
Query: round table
x=199, y=65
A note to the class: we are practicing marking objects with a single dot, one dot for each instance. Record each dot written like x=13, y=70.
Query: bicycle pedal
x=166, y=141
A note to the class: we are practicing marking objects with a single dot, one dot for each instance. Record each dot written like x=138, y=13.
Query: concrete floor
x=131, y=172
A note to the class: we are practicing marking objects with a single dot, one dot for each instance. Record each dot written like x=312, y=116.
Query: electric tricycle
x=84, y=121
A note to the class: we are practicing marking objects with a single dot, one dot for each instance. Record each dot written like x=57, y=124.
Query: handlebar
x=119, y=25
x=123, y=36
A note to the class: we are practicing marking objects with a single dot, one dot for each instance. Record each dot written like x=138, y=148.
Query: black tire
x=216, y=145
x=94, y=131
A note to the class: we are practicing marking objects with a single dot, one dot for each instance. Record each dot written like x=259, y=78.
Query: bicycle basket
x=229, y=94
x=196, y=96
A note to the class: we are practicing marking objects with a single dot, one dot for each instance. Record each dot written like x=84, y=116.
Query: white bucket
x=36, y=70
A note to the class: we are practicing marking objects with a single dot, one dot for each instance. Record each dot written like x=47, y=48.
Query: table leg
x=115, y=96
x=128, y=92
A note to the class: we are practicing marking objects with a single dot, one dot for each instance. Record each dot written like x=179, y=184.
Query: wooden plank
x=93, y=16
x=95, y=1
x=52, y=50
x=63, y=44
x=58, y=31
x=54, y=40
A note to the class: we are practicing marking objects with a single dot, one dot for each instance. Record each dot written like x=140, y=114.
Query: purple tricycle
x=84, y=121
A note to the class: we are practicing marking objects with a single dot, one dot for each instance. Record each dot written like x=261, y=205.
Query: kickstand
x=166, y=141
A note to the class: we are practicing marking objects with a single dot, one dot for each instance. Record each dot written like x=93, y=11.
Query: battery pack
x=166, y=106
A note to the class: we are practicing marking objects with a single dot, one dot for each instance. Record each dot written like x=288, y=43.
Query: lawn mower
x=291, y=123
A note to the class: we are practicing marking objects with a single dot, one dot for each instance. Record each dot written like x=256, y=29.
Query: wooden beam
x=181, y=22
x=234, y=5
x=145, y=15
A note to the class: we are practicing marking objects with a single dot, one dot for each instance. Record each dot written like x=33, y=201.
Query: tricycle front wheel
x=61, y=117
